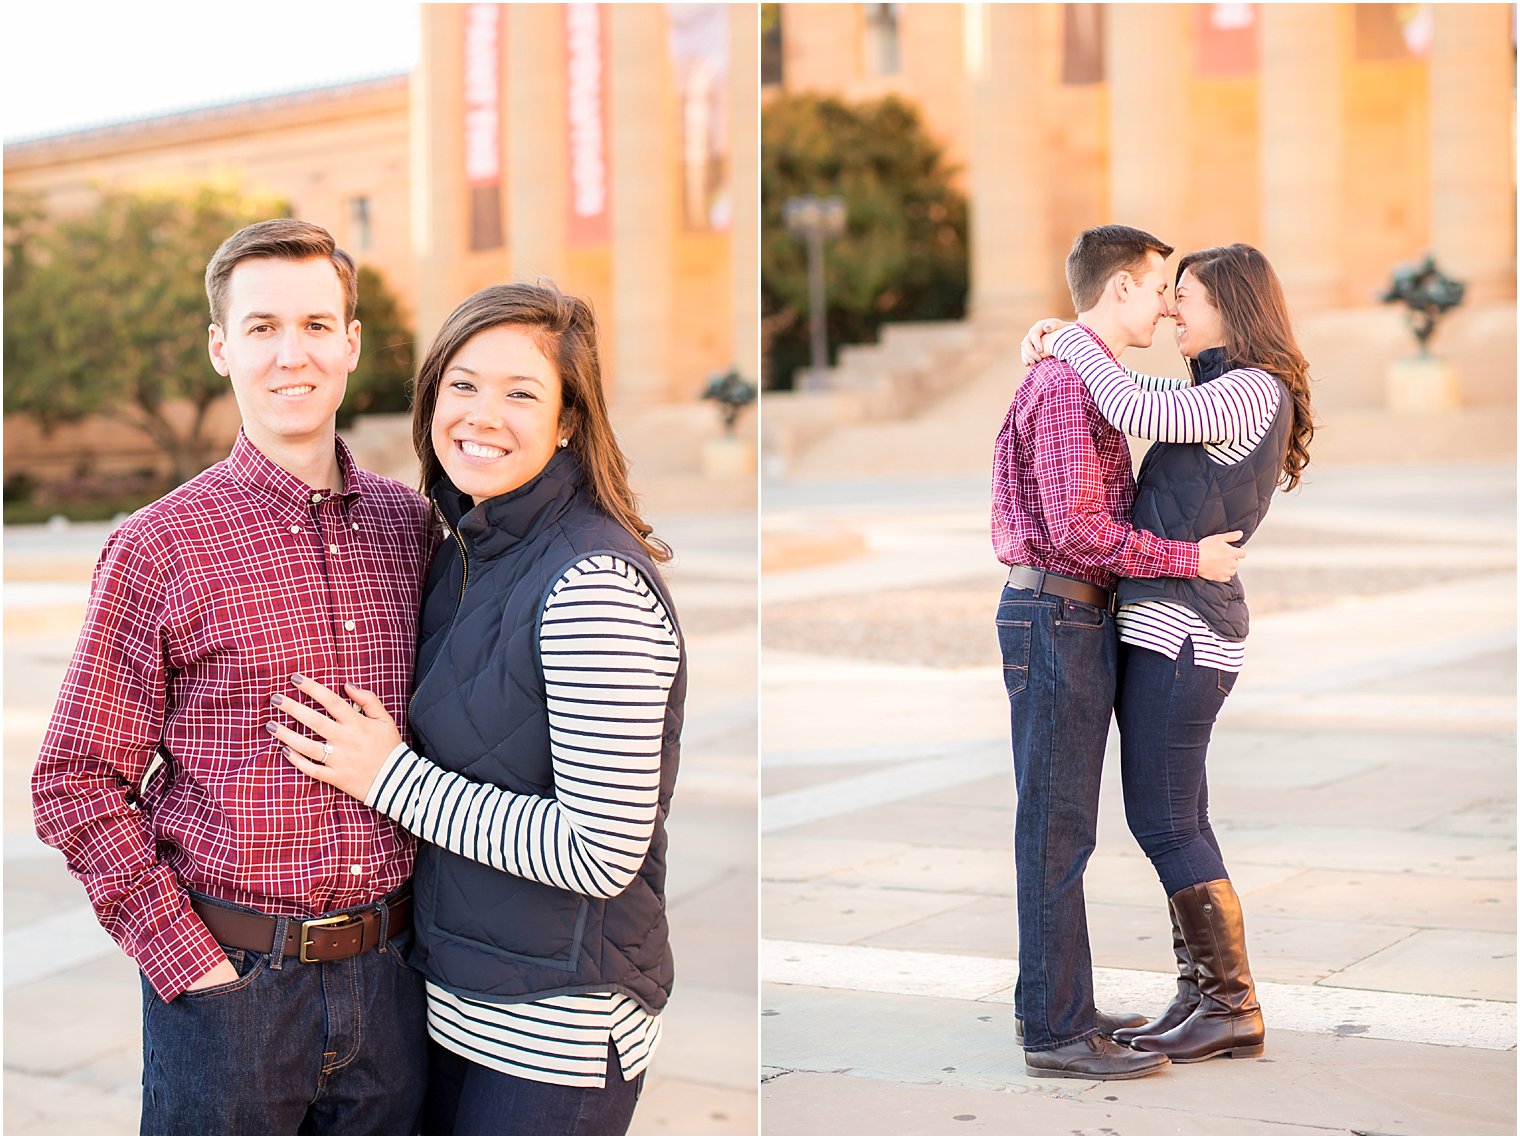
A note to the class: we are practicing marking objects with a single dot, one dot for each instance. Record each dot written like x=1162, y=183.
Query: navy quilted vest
x=1182, y=494
x=479, y=708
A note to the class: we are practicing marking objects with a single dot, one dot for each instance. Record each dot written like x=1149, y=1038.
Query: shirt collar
x=247, y=464
x=1098, y=340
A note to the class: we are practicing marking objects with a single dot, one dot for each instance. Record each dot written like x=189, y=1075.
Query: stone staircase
x=914, y=364
x=893, y=422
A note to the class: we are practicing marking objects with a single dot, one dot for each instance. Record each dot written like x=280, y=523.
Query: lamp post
x=814, y=219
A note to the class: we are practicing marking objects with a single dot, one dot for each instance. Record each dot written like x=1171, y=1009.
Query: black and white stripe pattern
x=558, y=1040
x=609, y=653
x=1162, y=626
x=1230, y=416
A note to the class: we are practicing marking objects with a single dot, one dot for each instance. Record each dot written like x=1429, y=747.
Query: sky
x=69, y=64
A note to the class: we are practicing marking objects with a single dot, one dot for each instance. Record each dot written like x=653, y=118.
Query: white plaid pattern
x=202, y=606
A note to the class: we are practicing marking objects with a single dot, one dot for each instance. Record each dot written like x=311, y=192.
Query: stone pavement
x=72, y=1057
x=1362, y=782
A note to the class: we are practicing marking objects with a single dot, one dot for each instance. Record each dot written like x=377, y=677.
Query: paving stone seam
x=843, y=796
x=1319, y=1009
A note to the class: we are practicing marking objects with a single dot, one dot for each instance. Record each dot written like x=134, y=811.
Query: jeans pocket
x=248, y=965
x=398, y=946
x=1014, y=639
x=1081, y=614
x=1226, y=680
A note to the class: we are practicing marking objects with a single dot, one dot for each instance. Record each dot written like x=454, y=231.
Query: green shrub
x=903, y=253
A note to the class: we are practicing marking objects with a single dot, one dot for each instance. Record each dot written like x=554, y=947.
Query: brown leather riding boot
x=1183, y=1003
x=1227, y=1020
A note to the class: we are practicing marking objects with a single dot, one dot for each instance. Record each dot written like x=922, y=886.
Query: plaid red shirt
x=1062, y=488
x=202, y=605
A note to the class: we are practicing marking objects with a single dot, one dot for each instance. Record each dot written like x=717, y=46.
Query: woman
x=547, y=699
x=1225, y=440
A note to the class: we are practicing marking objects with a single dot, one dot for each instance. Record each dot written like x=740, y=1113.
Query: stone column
x=537, y=143
x=1010, y=248
x=439, y=195
x=1148, y=60
x=645, y=202
x=744, y=99
x=1303, y=52
x=1472, y=222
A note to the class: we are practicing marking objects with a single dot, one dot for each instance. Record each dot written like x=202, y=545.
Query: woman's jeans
x=466, y=1098
x=289, y=1049
x=1060, y=659
x=1166, y=713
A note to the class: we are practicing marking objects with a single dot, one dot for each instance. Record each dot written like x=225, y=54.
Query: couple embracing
x=1122, y=599
x=244, y=765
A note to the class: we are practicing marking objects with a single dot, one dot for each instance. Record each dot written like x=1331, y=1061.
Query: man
x=261, y=906
x=1062, y=488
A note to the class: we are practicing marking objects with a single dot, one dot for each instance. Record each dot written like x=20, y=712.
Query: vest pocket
x=566, y=961
x=504, y=918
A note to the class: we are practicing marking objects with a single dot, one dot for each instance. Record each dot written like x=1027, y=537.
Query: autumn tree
x=106, y=314
x=381, y=382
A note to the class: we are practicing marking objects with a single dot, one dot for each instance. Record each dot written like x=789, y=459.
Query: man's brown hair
x=1098, y=253
x=284, y=239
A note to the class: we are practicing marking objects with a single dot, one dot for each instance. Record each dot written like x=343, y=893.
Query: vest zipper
x=464, y=581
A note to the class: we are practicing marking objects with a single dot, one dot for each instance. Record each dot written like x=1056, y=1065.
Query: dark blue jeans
x=466, y=1098
x=1060, y=659
x=1166, y=713
x=289, y=1049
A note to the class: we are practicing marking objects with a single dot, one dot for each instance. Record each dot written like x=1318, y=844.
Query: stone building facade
x=611, y=148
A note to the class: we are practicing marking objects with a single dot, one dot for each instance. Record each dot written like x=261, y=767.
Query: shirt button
x=349, y=626
x=356, y=525
x=295, y=529
x=316, y=497
x=356, y=869
x=333, y=549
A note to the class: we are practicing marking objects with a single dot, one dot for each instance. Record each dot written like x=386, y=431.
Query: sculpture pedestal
x=728, y=457
x=1423, y=384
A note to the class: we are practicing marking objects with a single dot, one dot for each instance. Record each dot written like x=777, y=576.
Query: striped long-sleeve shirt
x=577, y=840
x=1229, y=416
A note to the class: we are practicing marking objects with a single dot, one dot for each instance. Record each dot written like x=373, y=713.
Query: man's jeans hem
x=1088, y=1035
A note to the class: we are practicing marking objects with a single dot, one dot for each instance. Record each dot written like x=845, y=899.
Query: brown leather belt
x=1041, y=581
x=333, y=937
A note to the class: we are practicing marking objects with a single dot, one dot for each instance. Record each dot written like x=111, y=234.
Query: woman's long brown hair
x=563, y=328
x=1258, y=333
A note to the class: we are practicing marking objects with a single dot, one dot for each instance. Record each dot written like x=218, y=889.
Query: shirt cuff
x=176, y=957
x=398, y=754
x=1185, y=559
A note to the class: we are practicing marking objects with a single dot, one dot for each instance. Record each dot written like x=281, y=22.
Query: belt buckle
x=312, y=923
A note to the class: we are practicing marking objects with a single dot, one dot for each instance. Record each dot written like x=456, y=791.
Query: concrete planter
x=1422, y=384
x=728, y=457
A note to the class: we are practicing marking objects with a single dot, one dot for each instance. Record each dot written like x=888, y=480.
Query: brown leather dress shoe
x=1108, y=1023
x=1096, y=1058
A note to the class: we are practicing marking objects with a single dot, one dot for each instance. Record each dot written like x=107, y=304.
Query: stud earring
x=564, y=442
